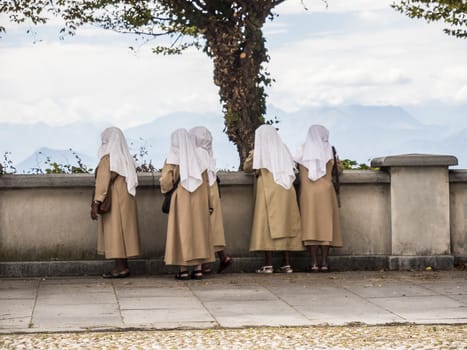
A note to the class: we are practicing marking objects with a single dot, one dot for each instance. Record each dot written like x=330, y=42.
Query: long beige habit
x=202, y=138
x=118, y=235
x=216, y=219
x=276, y=219
x=319, y=210
x=188, y=229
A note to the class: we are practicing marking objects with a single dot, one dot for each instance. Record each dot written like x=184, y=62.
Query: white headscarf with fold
x=191, y=160
x=121, y=162
x=315, y=152
x=272, y=154
x=203, y=139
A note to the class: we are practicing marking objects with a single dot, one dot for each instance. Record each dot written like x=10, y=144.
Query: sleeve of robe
x=103, y=177
x=169, y=176
x=248, y=164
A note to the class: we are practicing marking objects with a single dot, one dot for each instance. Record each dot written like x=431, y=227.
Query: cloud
x=273, y=28
x=67, y=82
x=357, y=76
x=297, y=7
x=407, y=62
x=461, y=95
x=355, y=52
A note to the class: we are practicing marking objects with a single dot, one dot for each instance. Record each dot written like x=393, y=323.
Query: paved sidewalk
x=232, y=300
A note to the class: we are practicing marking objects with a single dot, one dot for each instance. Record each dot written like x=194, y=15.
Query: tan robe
x=118, y=234
x=217, y=221
x=318, y=208
x=188, y=230
x=276, y=218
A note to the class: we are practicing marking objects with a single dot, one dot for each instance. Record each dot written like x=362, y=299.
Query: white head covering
x=315, y=152
x=114, y=144
x=191, y=160
x=272, y=154
x=203, y=139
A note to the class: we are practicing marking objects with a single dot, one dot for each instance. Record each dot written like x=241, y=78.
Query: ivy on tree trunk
x=238, y=52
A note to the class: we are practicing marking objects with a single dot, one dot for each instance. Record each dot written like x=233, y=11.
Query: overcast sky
x=352, y=52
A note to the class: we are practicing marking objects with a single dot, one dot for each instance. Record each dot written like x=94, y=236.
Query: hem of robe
x=325, y=243
x=277, y=250
x=284, y=235
x=278, y=245
x=134, y=255
x=189, y=263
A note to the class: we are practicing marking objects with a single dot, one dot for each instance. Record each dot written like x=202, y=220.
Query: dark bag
x=105, y=206
x=335, y=176
x=168, y=198
x=218, y=180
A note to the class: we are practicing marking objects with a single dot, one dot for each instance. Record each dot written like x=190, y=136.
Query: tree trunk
x=238, y=53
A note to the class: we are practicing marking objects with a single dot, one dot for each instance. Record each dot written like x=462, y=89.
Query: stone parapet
x=414, y=160
x=412, y=210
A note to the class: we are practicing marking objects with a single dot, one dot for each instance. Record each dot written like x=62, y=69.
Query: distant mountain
x=43, y=158
x=23, y=139
x=155, y=137
x=359, y=133
x=455, y=144
x=363, y=132
x=454, y=116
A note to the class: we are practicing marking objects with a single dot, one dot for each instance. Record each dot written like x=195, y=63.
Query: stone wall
x=409, y=214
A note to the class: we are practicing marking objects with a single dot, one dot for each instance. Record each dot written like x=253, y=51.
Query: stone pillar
x=419, y=202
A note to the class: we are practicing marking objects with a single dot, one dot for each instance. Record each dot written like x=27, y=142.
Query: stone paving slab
x=75, y=316
x=432, y=309
x=233, y=300
x=340, y=307
x=161, y=302
x=389, y=289
x=15, y=314
x=255, y=313
x=167, y=318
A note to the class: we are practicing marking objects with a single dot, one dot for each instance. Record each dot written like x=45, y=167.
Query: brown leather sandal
x=225, y=263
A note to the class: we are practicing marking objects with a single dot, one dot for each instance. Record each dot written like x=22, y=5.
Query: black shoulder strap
x=175, y=184
x=218, y=180
x=335, y=176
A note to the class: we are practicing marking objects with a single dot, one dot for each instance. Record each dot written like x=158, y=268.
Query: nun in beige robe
x=276, y=220
x=118, y=234
x=317, y=197
x=189, y=229
x=202, y=138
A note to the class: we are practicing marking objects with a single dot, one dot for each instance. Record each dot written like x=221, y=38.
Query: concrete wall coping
x=148, y=179
x=414, y=160
x=458, y=175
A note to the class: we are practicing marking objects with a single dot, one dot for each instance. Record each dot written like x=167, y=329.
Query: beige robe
x=217, y=221
x=319, y=210
x=276, y=218
x=188, y=230
x=118, y=234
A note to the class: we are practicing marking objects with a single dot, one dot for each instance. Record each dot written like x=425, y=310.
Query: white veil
x=191, y=160
x=272, y=154
x=315, y=152
x=114, y=144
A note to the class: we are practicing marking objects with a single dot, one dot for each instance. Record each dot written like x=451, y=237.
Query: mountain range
x=359, y=133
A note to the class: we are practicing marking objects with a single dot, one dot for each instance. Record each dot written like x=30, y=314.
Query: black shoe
x=182, y=276
x=197, y=275
x=112, y=274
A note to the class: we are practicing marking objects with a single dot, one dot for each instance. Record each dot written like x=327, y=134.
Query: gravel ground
x=350, y=337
